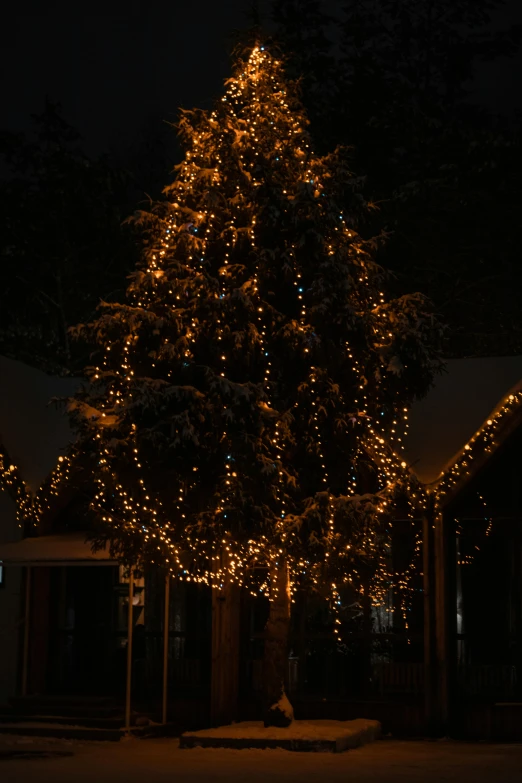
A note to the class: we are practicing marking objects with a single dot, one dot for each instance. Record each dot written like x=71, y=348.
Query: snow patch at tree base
x=332, y=736
x=280, y=714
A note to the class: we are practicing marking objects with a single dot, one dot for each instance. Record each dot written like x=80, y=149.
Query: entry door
x=83, y=640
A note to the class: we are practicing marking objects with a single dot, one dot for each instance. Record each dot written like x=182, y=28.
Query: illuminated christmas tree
x=244, y=417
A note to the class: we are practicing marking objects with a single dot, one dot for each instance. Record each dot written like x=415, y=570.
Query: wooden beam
x=430, y=653
x=442, y=711
x=446, y=620
x=130, y=628
x=39, y=629
x=166, y=623
x=27, y=630
x=225, y=652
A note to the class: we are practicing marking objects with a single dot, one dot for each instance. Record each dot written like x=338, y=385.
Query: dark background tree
x=394, y=82
x=62, y=244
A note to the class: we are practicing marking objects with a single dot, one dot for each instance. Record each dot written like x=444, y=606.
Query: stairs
x=68, y=717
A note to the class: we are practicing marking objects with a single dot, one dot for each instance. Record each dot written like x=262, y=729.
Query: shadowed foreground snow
x=158, y=760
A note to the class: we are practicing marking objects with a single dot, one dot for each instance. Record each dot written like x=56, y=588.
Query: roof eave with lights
x=501, y=423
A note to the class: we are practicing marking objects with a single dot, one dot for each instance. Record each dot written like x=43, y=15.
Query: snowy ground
x=160, y=760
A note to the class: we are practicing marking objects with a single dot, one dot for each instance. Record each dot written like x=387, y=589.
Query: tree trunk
x=225, y=652
x=277, y=709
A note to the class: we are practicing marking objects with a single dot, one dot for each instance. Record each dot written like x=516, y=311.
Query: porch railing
x=393, y=679
x=495, y=681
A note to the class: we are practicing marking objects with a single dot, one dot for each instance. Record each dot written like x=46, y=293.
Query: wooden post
x=166, y=649
x=366, y=643
x=452, y=646
x=225, y=652
x=441, y=625
x=27, y=620
x=430, y=657
x=516, y=594
x=446, y=620
x=39, y=629
x=130, y=623
x=301, y=645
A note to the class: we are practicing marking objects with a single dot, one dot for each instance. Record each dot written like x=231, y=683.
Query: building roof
x=66, y=549
x=33, y=431
x=461, y=400
x=457, y=406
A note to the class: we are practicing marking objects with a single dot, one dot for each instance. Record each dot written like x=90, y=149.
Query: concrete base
x=331, y=736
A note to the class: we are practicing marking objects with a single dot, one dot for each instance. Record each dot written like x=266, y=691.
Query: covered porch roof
x=69, y=549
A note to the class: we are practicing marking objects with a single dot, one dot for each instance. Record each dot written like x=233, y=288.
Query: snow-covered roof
x=33, y=432
x=66, y=549
x=461, y=400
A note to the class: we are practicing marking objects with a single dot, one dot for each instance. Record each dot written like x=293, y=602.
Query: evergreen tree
x=244, y=415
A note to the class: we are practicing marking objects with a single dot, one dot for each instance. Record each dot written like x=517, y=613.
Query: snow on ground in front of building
x=161, y=761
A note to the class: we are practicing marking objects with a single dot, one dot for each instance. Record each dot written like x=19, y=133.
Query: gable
x=454, y=409
x=33, y=432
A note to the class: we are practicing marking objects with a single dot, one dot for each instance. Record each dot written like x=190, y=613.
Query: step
x=28, y=753
x=65, y=720
x=44, y=729
x=31, y=706
x=44, y=698
x=57, y=731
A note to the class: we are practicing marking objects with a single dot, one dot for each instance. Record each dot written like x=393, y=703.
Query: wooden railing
x=387, y=678
x=395, y=678
x=186, y=672
x=407, y=678
x=495, y=681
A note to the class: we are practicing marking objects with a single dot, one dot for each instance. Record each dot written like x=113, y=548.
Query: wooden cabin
x=453, y=665
x=465, y=445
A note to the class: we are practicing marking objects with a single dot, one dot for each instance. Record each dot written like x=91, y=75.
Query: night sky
x=119, y=66
x=115, y=66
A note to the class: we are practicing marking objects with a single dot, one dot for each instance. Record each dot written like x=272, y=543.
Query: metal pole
x=129, y=652
x=27, y=620
x=166, y=648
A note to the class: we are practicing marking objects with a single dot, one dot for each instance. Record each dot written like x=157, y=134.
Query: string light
x=484, y=441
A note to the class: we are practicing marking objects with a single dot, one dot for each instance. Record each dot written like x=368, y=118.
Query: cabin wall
x=486, y=603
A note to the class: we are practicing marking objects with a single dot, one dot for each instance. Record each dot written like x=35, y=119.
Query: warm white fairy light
x=484, y=441
x=31, y=506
